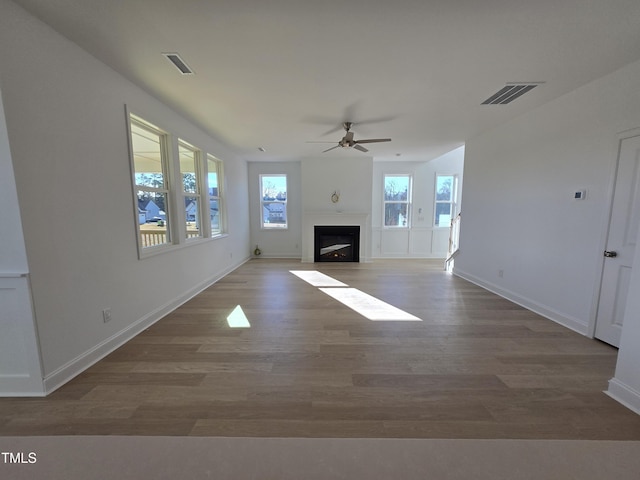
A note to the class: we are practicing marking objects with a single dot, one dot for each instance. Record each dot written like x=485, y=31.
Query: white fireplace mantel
x=312, y=218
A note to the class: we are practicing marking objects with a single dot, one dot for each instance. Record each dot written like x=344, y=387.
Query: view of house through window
x=397, y=200
x=149, y=147
x=214, y=175
x=273, y=194
x=189, y=172
x=445, y=200
x=175, y=212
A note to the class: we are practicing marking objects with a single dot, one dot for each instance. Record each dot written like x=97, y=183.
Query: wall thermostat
x=579, y=194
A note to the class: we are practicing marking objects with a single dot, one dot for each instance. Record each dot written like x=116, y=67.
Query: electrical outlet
x=501, y=273
x=106, y=315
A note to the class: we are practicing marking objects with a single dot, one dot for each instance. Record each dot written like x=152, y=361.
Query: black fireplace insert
x=337, y=243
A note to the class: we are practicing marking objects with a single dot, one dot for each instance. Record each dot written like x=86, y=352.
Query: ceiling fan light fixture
x=349, y=142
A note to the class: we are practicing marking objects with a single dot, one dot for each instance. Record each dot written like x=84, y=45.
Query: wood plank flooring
x=476, y=366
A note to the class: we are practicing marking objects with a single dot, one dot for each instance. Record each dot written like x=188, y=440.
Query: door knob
x=610, y=254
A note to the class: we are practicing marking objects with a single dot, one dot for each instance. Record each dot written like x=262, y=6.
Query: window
x=173, y=189
x=214, y=188
x=190, y=176
x=445, y=207
x=397, y=200
x=273, y=191
x=149, y=151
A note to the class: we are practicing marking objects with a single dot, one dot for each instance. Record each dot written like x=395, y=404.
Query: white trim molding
x=571, y=323
x=20, y=366
x=624, y=394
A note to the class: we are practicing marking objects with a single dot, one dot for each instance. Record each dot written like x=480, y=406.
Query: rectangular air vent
x=179, y=63
x=509, y=93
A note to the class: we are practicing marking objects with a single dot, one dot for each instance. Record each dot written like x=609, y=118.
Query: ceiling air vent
x=509, y=93
x=179, y=63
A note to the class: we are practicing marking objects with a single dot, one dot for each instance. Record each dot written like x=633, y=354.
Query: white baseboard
x=571, y=323
x=79, y=364
x=411, y=256
x=624, y=394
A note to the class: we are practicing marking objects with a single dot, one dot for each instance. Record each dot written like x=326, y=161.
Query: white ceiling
x=278, y=73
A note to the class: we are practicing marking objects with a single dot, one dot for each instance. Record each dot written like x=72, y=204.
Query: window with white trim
x=215, y=195
x=445, y=201
x=397, y=201
x=191, y=180
x=151, y=178
x=273, y=201
x=173, y=189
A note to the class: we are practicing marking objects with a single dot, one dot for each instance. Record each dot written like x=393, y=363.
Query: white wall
x=350, y=176
x=422, y=239
x=519, y=215
x=282, y=243
x=65, y=115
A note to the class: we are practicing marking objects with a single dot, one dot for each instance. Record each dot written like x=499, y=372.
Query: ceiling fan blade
x=375, y=120
x=358, y=147
x=374, y=140
x=333, y=130
x=328, y=149
x=311, y=141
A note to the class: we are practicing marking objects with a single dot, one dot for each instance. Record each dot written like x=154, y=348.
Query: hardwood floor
x=476, y=366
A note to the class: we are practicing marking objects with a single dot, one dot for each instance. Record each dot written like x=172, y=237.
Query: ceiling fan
x=348, y=141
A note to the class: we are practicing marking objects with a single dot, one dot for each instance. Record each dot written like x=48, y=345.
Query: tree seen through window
x=397, y=198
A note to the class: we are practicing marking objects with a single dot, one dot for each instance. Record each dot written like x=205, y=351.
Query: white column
x=20, y=369
x=625, y=385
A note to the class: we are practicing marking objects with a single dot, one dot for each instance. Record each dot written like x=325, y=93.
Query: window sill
x=163, y=249
x=218, y=236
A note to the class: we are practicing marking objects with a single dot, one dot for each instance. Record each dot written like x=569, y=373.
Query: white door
x=621, y=243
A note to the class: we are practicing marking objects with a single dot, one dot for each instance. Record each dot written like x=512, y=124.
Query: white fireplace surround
x=311, y=219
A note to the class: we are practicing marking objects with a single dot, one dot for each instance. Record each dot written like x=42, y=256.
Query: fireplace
x=337, y=243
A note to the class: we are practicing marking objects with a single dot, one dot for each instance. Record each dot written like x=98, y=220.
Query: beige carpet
x=123, y=458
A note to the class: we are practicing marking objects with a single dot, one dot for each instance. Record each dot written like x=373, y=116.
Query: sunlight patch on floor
x=368, y=306
x=318, y=279
x=237, y=318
